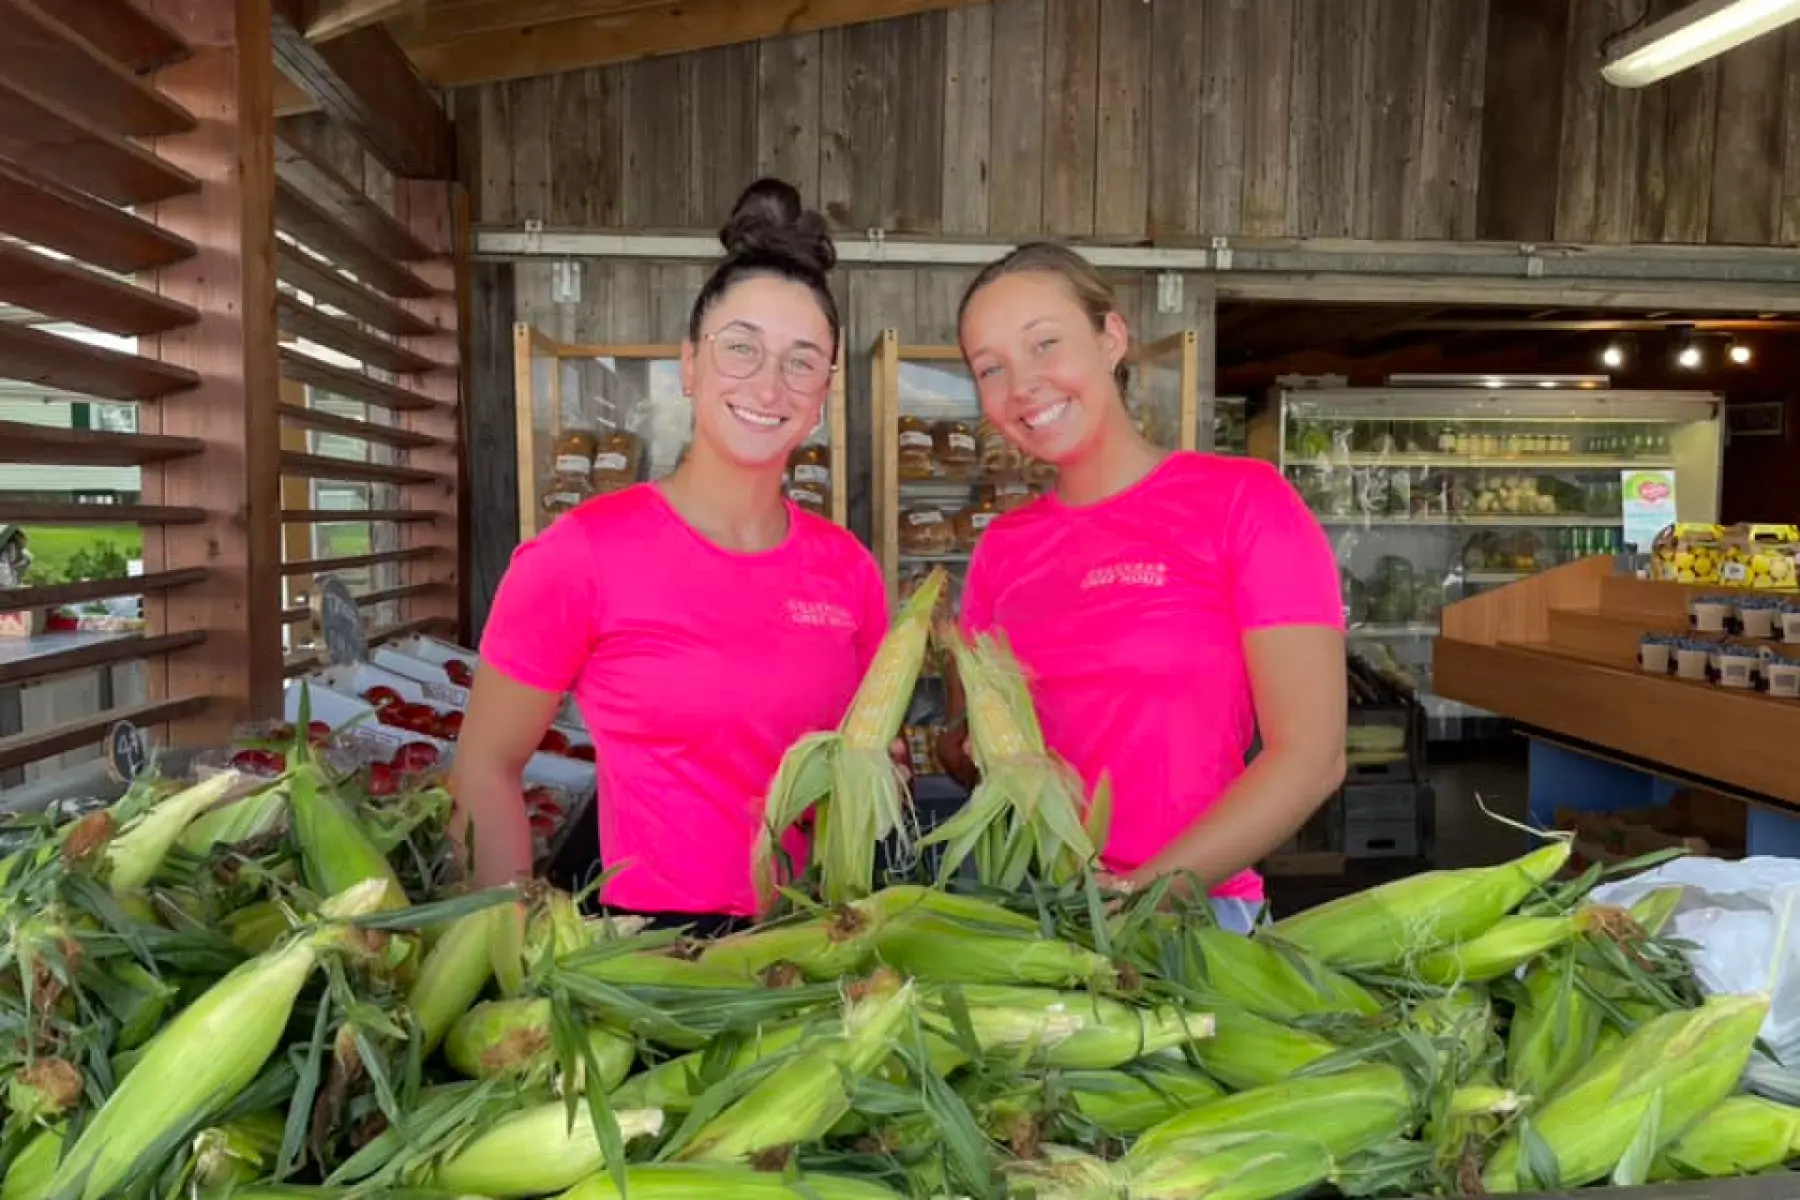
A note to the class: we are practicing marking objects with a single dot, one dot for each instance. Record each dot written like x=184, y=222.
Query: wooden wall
x=1125, y=120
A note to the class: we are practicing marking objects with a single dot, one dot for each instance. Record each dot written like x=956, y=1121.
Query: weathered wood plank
x=1578, y=153
x=42, y=53
x=1223, y=99
x=1691, y=101
x=1789, y=224
x=787, y=113
x=46, y=214
x=871, y=69
x=21, y=442
x=1453, y=135
x=1350, y=87
x=1268, y=64
x=71, y=292
x=919, y=122
x=344, y=196
x=937, y=294
x=1402, y=50
x=1071, y=102
x=65, y=147
x=1016, y=199
x=1176, y=45
x=723, y=158
x=1649, y=197
x=317, y=279
x=968, y=108
x=659, y=129
x=532, y=147
x=1122, y=133
x=587, y=133
x=33, y=356
x=493, y=187
x=1746, y=166
x=835, y=191
x=123, y=30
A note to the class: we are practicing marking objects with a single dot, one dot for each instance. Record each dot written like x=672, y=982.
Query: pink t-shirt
x=695, y=668
x=1128, y=617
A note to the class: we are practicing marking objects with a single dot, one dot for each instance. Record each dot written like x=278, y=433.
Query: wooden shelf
x=21, y=442
x=59, y=362
x=1557, y=652
x=297, y=166
x=74, y=152
x=351, y=385
x=323, y=566
x=71, y=292
x=299, y=216
x=319, y=466
x=60, y=653
x=47, y=214
x=366, y=431
x=55, y=61
x=326, y=285
x=123, y=30
x=355, y=516
x=301, y=319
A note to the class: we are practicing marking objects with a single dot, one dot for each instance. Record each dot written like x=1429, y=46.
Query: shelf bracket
x=565, y=282
x=1168, y=292
x=1534, y=266
x=534, y=235
x=1221, y=252
x=877, y=239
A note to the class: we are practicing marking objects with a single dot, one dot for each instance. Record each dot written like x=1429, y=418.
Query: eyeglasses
x=740, y=354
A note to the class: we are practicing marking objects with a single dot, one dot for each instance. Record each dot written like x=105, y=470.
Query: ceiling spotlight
x=1613, y=355
x=1688, y=356
x=1739, y=353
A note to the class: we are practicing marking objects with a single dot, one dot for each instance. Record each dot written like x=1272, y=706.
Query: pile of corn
x=260, y=989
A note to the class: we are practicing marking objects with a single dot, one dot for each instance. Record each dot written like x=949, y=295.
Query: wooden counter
x=1558, y=652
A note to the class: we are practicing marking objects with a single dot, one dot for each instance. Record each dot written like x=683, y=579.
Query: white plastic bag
x=1744, y=921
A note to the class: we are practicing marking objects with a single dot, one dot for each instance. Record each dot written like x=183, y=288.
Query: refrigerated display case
x=1430, y=495
x=1230, y=435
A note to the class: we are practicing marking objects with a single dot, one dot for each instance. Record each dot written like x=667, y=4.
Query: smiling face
x=760, y=371
x=1043, y=372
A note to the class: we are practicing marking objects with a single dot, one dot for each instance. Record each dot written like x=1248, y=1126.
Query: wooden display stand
x=1558, y=652
x=539, y=363
x=1165, y=382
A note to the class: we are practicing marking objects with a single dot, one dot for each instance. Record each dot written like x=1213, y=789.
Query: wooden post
x=228, y=84
x=437, y=214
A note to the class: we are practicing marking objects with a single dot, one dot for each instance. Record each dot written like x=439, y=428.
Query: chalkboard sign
x=340, y=622
x=127, y=753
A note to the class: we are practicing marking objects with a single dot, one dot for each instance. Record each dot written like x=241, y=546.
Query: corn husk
x=1664, y=1077
x=695, y=1181
x=456, y=969
x=1073, y=1030
x=514, y=1039
x=135, y=853
x=845, y=776
x=1346, y=1112
x=1397, y=923
x=1554, y=1031
x=1128, y=1100
x=536, y=1151
x=1740, y=1135
x=927, y=946
x=830, y=946
x=1247, y=1050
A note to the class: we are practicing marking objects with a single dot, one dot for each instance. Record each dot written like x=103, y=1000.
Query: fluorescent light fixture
x=1702, y=30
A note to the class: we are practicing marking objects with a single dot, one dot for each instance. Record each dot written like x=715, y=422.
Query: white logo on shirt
x=1130, y=574
x=820, y=614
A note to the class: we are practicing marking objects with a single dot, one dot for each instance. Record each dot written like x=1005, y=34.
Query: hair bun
x=769, y=221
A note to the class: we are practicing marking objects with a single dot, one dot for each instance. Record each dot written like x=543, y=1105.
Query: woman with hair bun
x=703, y=621
x=1167, y=607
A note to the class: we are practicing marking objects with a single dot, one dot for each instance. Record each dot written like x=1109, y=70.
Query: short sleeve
x=545, y=619
x=873, y=617
x=1283, y=571
x=976, y=613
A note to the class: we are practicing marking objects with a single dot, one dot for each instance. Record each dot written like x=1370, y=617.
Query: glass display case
x=1432, y=494
x=1230, y=433
x=596, y=418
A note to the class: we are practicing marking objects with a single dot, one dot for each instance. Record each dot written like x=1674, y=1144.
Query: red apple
x=384, y=780
x=383, y=696
x=459, y=672
x=416, y=756
x=318, y=732
x=584, y=753
x=554, y=742
x=449, y=726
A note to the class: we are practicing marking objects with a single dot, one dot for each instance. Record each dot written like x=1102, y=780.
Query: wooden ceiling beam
x=365, y=82
x=335, y=18
x=610, y=33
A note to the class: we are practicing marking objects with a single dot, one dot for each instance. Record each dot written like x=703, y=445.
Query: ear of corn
x=847, y=774
x=1554, y=1029
x=674, y=1085
x=1025, y=816
x=28, y=1176
x=204, y=1057
x=695, y=1181
x=1232, y=1166
x=242, y=820
x=650, y=968
x=1074, y=1030
x=456, y=969
x=136, y=853
x=805, y=1096
x=830, y=946
x=930, y=947
x=1262, y=975
x=1682, y=1064
x=1346, y=1112
x=513, y=1038
x=536, y=1151
x=1127, y=1101
x=901, y=898
x=239, y=1152
x=1508, y=943
x=1247, y=1051
x=1397, y=922
x=1740, y=1135
x=336, y=852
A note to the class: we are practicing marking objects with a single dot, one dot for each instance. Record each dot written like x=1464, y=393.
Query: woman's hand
x=902, y=756
x=501, y=731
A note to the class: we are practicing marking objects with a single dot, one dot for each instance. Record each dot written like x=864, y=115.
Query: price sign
x=340, y=622
x=127, y=753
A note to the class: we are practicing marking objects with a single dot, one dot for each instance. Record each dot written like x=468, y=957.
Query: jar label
x=804, y=496
x=925, y=516
x=812, y=473
x=963, y=442
x=572, y=464
x=610, y=462
x=912, y=439
x=982, y=520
